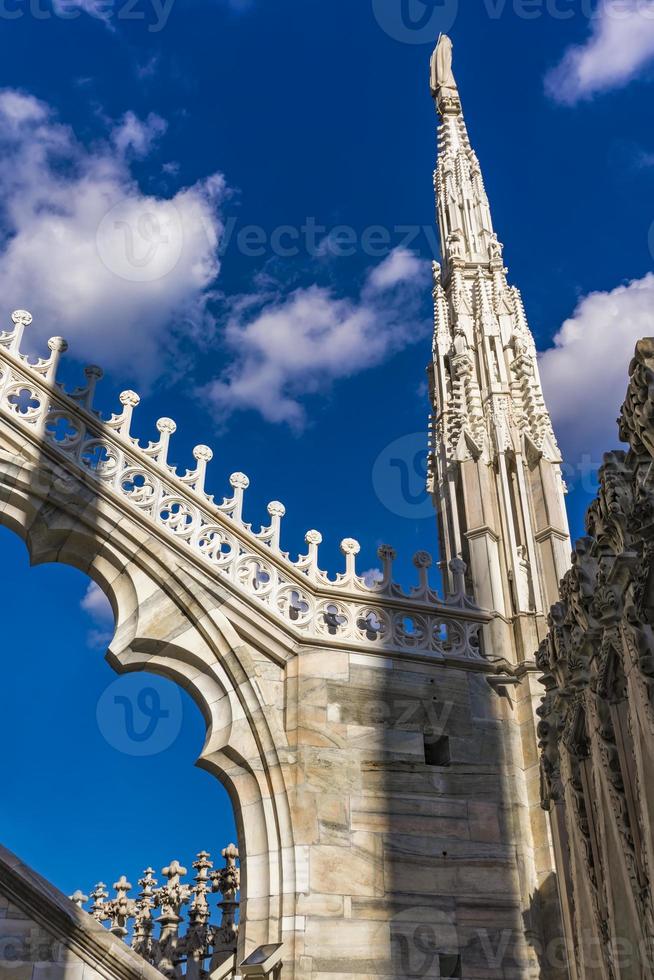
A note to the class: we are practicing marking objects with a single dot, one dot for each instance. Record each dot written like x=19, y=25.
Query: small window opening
x=449, y=965
x=437, y=753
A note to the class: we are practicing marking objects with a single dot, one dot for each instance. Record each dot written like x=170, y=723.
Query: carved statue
x=441, y=67
x=598, y=666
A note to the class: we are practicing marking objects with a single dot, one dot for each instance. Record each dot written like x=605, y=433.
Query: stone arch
x=169, y=622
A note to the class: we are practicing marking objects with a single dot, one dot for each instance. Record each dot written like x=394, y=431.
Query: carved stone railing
x=598, y=667
x=344, y=610
x=192, y=949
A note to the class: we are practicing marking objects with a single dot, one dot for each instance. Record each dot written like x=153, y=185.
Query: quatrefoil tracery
x=25, y=402
x=327, y=607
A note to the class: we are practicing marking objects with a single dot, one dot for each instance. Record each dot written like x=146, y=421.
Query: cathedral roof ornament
x=303, y=598
x=443, y=83
x=151, y=924
x=487, y=398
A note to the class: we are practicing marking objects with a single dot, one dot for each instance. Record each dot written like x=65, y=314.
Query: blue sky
x=270, y=168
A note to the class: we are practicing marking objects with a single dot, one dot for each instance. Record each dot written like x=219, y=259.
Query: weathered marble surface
x=597, y=717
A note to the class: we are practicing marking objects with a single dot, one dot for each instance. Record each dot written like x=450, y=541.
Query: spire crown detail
x=489, y=410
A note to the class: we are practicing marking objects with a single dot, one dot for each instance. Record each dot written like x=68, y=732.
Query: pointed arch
x=169, y=622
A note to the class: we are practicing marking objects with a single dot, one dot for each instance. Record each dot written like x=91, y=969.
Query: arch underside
x=169, y=622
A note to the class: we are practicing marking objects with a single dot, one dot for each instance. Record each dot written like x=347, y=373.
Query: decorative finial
x=129, y=400
x=387, y=556
x=21, y=319
x=240, y=482
x=202, y=455
x=166, y=428
x=58, y=346
x=276, y=511
x=79, y=898
x=443, y=83
x=93, y=374
x=458, y=568
x=314, y=540
x=173, y=872
x=423, y=561
x=98, y=909
x=350, y=548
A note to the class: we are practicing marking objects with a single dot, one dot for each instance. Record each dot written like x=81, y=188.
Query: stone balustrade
x=346, y=610
x=153, y=923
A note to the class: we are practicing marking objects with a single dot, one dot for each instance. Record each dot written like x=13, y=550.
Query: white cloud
x=285, y=347
x=135, y=136
x=96, y=604
x=620, y=45
x=401, y=266
x=119, y=273
x=585, y=374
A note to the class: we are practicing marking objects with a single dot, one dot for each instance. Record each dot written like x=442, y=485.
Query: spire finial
x=443, y=83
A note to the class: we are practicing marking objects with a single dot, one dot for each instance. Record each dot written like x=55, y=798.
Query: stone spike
x=203, y=862
x=122, y=886
x=239, y=482
x=423, y=561
x=21, y=319
x=129, y=400
x=166, y=428
x=99, y=893
x=79, y=898
x=314, y=540
x=147, y=882
x=58, y=346
x=276, y=511
x=93, y=374
x=458, y=569
x=350, y=549
x=173, y=872
x=387, y=556
x=202, y=455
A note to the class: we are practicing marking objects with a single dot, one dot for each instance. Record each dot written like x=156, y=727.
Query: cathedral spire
x=495, y=465
x=463, y=210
